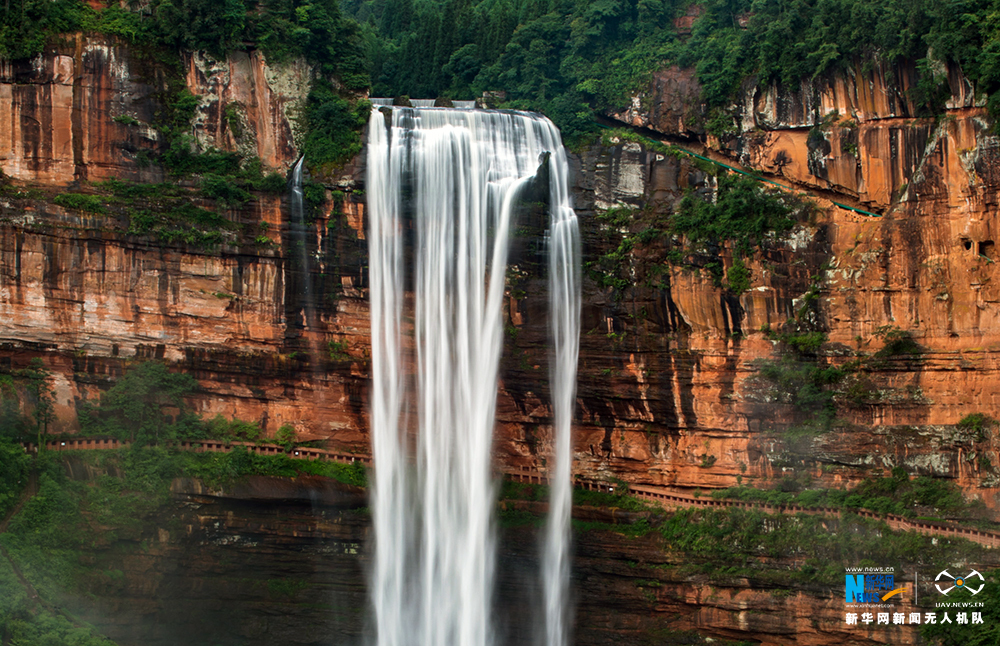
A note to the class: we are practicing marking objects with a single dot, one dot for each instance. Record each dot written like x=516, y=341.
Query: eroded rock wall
x=926, y=267
x=86, y=110
x=669, y=390
x=89, y=299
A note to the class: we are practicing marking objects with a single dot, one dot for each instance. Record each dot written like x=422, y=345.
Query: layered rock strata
x=669, y=389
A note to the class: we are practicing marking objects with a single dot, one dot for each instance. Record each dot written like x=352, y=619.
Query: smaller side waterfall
x=564, y=325
x=300, y=245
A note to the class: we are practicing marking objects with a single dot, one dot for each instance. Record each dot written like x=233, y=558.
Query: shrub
x=225, y=429
x=978, y=424
x=224, y=189
x=80, y=202
x=744, y=212
x=897, y=343
x=333, y=126
x=338, y=351
x=14, y=464
x=738, y=277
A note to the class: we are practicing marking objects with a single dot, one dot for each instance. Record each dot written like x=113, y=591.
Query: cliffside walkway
x=663, y=496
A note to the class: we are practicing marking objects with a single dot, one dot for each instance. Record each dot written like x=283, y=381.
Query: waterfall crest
x=433, y=490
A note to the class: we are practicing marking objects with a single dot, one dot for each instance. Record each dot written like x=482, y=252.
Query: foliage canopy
x=567, y=57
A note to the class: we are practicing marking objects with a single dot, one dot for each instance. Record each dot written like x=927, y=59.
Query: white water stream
x=450, y=180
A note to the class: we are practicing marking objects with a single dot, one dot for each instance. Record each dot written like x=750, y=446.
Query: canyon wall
x=87, y=109
x=669, y=391
x=80, y=291
x=914, y=251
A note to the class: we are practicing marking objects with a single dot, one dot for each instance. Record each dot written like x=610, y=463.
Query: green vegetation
x=740, y=216
x=314, y=30
x=145, y=405
x=80, y=202
x=234, y=430
x=224, y=190
x=815, y=385
x=898, y=494
x=22, y=621
x=167, y=212
x=286, y=437
x=611, y=269
x=26, y=403
x=620, y=499
x=897, y=343
x=332, y=125
x=807, y=383
x=738, y=542
x=337, y=351
x=14, y=466
x=569, y=58
x=285, y=29
x=185, y=223
x=225, y=468
x=743, y=212
x=65, y=517
x=738, y=277
x=984, y=634
x=741, y=542
x=977, y=424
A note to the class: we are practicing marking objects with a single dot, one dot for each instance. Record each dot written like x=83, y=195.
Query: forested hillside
x=561, y=57
x=568, y=58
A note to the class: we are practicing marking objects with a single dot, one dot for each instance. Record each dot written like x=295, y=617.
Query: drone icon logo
x=960, y=582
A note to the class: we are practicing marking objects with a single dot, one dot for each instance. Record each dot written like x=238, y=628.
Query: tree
x=286, y=437
x=986, y=633
x=147, y=404
x=40, y=396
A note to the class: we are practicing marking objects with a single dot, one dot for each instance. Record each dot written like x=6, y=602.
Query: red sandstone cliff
x=926, y=266
x=83, y=110
x=667, y=393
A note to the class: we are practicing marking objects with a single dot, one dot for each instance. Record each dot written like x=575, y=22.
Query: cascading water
x=564, y=321
x=433, y=491
x=298, y=236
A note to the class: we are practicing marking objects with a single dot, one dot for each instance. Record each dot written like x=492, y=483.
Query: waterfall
x=298, y=231
x=433, y=491
x=564, y=322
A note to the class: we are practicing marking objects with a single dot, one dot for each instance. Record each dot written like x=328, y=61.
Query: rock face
x=248, y=106
x=925, y=267
x=85, y=110
x=669, y=390
x=59, y=110
x=89, y=299
x=234, y=568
